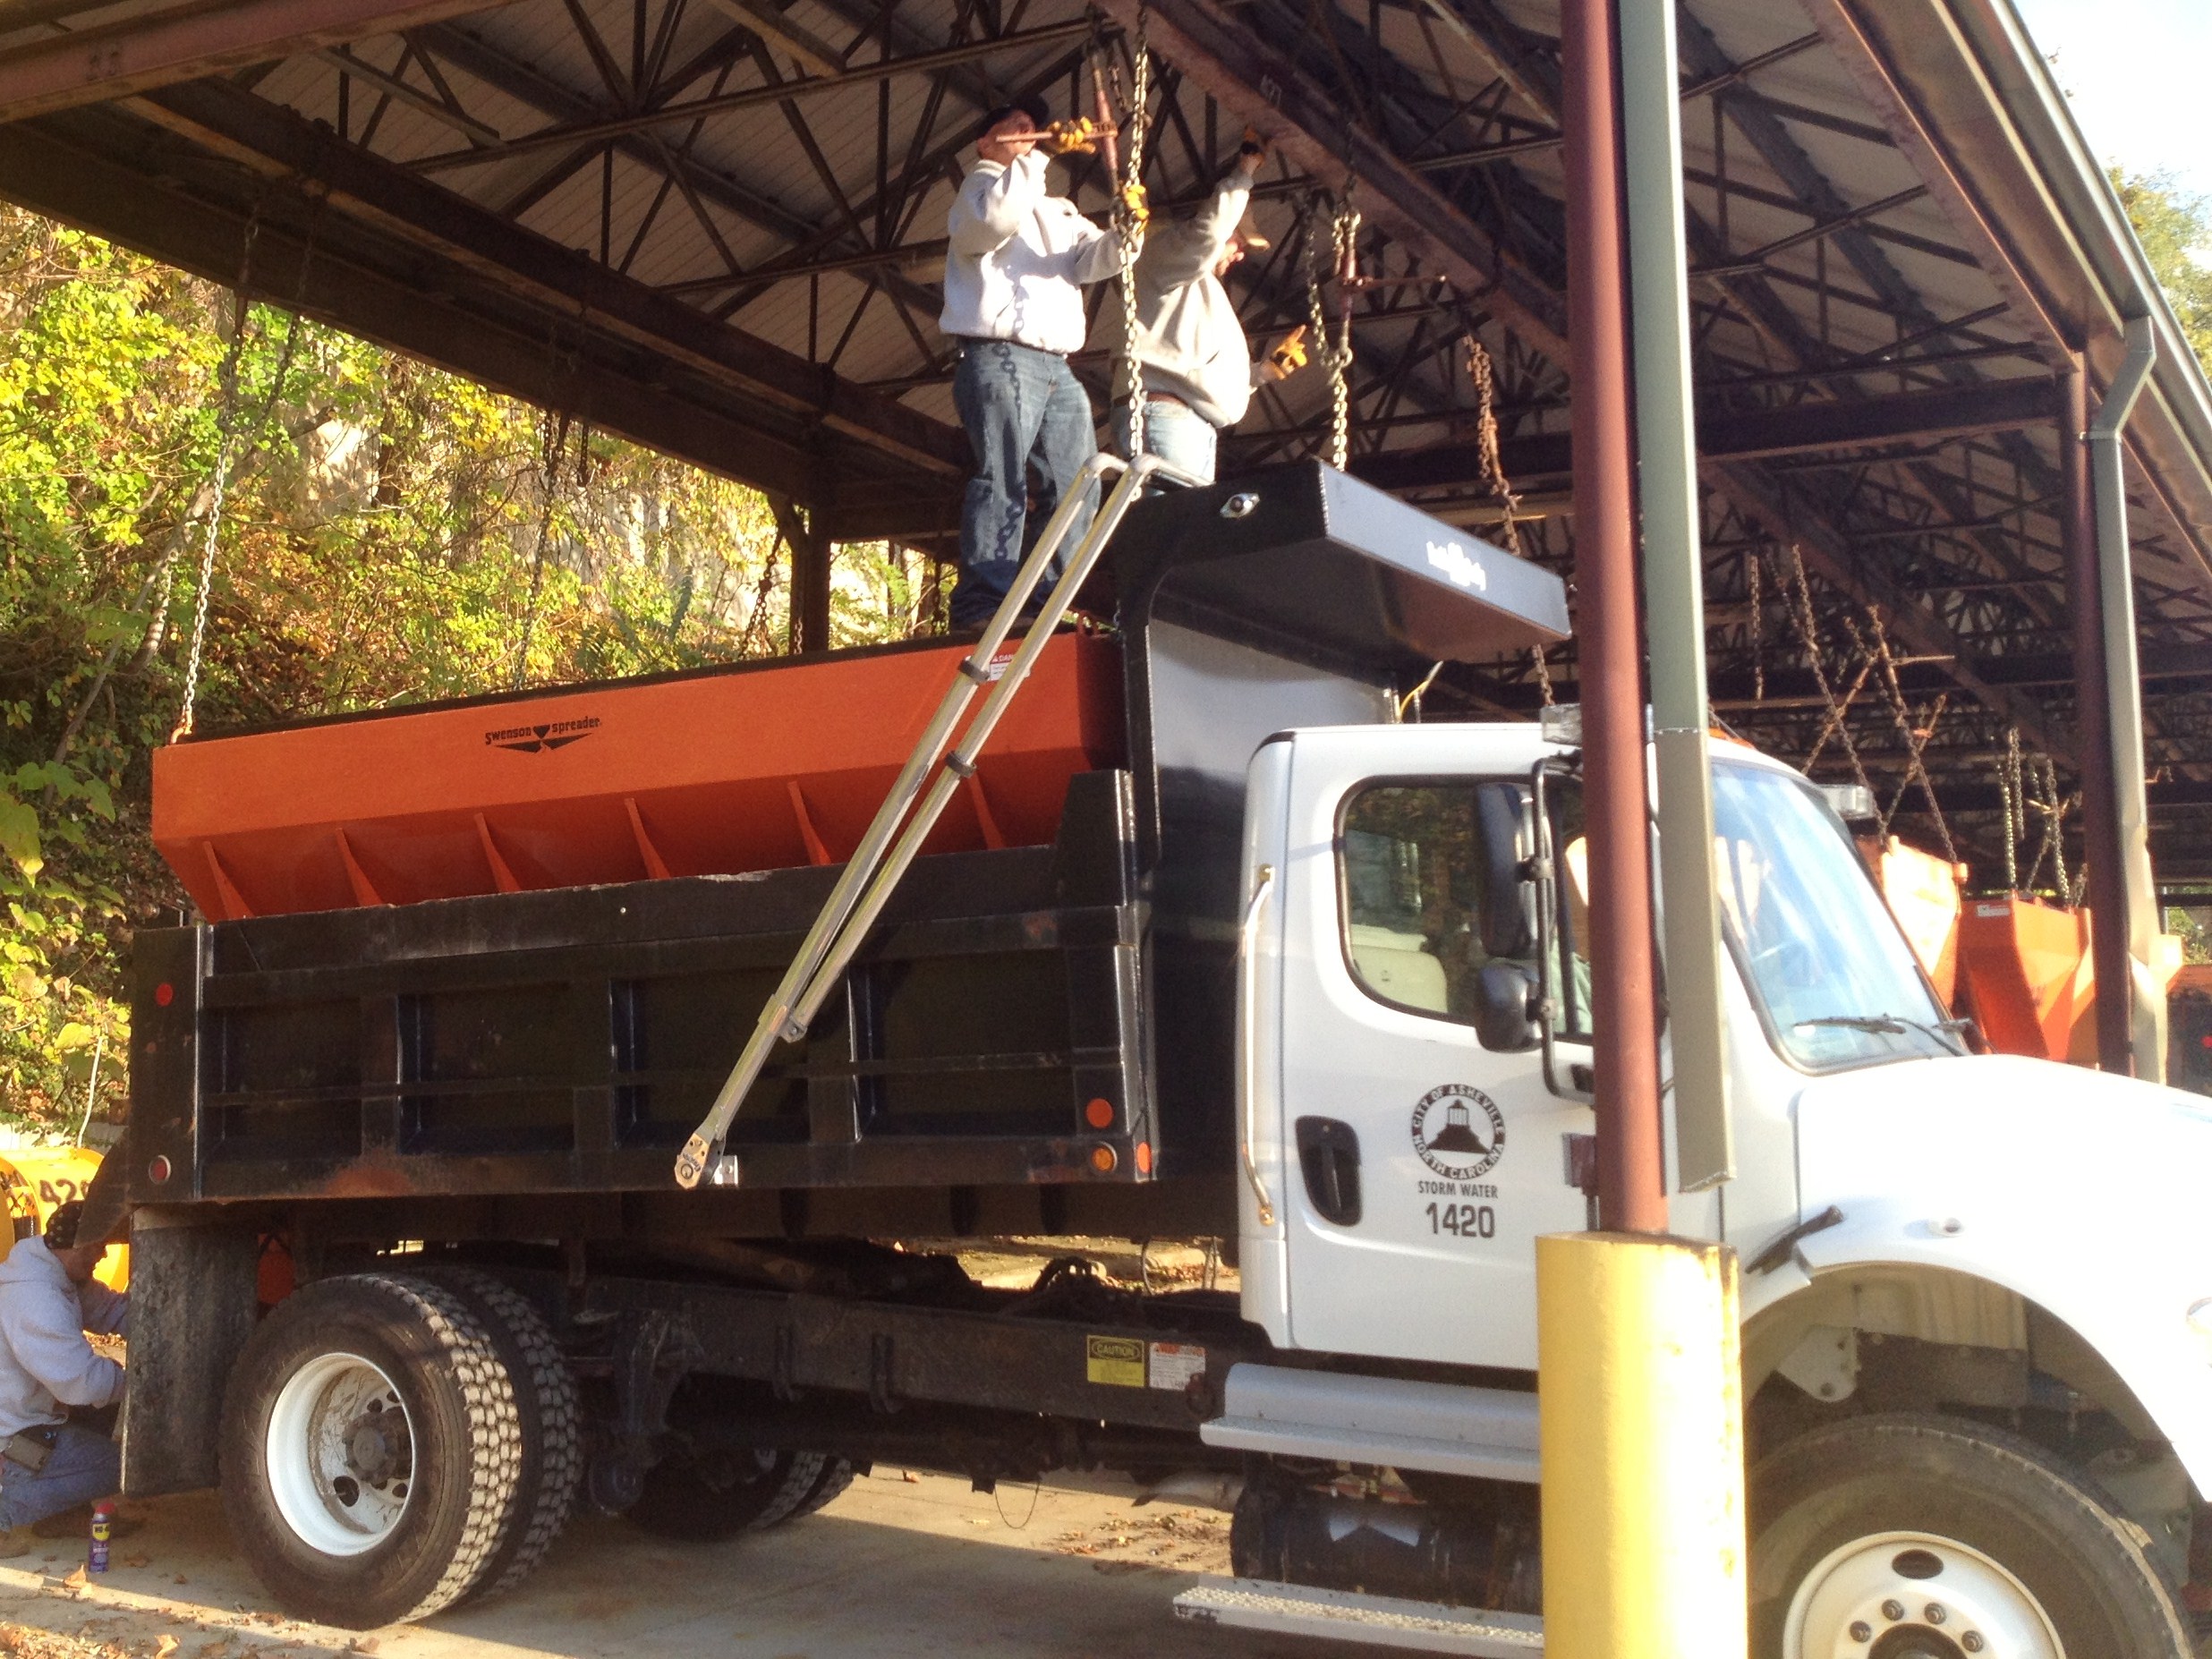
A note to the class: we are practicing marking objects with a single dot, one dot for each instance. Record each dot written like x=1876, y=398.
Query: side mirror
x=1505, y=998
x=1505, y=905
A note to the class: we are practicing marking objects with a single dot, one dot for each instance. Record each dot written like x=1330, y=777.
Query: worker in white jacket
x=1198, y=370
x=1015, y=270
x=48, y=1301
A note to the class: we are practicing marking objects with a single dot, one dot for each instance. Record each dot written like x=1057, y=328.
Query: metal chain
x=1335, y=355
x=1754, y=580
x=1130, y=226
x=1835, y=724
x=1916, y=739
x=2015, y=813
x=1490, y=462
x=227, y=386
x=552, y=445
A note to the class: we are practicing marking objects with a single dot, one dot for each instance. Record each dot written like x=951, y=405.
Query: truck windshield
x=1835, y=976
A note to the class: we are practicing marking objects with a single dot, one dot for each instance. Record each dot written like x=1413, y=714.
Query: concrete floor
x=897, y=1568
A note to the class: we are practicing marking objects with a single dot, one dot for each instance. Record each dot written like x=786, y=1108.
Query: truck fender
x=1971, y=1274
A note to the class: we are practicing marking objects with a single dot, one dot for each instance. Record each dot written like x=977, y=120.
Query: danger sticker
x=1993, y=912
x=1175, y=1364
x=1116, y=1362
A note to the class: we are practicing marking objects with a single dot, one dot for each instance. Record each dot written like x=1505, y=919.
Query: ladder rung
x=1376, y=1620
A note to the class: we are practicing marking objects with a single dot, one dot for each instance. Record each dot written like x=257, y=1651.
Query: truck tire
x=347, y=1519
x=837, y=1475
x=552, y=1422
x=718, y=1494
x=1929, y=1536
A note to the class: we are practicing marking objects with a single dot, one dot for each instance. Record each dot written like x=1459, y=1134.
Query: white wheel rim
x=1915, y=1596
x=340, y=1454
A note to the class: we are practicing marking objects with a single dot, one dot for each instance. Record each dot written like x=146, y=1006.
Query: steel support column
x=810, y=574
x=1674, y=587
x=1624, y=989
x=2122, y=705
x=2100, y=826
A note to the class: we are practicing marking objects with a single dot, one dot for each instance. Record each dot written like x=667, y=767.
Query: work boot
x=74, y=1522
x=15, y=1541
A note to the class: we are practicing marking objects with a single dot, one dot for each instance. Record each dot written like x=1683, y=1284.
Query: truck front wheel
x=371, y=1449
x=1893, y=1535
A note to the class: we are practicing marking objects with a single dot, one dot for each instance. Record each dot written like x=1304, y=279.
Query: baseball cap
x=1038, y=112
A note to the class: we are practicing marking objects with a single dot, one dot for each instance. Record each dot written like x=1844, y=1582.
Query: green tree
x=2175, y=228
x=389, y=533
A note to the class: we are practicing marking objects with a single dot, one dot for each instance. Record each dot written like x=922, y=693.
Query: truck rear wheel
x=370, y=1448
x=552, y=1422
x=715, y=1495
x=1890, y=1536
x=837, y=1475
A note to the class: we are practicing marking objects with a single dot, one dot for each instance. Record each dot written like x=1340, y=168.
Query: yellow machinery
x=37, y=1180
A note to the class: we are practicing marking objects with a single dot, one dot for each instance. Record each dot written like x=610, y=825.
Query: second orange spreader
x=756, y=767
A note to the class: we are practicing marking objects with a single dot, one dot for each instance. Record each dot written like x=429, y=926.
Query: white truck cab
x=1977, y=1291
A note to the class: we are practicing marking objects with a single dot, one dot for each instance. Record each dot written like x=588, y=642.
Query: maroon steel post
x=1631, y=1195
x=2100, y=808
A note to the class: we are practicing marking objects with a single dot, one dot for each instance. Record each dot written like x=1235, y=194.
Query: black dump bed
x=1051, y=1014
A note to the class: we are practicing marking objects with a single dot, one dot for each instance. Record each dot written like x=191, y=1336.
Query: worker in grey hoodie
x=48, y=1301
x=1015, y=270
x=1198, y=372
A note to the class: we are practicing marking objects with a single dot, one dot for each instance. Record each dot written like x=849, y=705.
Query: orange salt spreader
x=759, y=766
x=2028, y=975
x=1922, y=892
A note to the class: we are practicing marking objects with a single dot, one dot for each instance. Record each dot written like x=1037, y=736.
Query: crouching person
x=48, y=1301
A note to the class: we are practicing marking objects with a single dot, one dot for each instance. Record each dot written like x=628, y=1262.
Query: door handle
x=1329, y=1154
x=1247, y=941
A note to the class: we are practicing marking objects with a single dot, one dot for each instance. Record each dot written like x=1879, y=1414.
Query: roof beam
x=1827, y=553
x=1783, y=688
x=275, y=141
x=490, y=64
x=1258, y=85
x=139, y=54
x=1743, y=435
x=592, y=129
x=97, y=172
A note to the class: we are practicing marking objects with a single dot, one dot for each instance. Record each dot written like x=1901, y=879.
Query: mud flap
x=193, y=1308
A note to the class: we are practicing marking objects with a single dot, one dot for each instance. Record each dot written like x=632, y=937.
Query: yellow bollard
x=1642, y=1424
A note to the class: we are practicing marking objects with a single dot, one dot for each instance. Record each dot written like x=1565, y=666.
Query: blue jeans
x=1175, y=432
x=83, y=1467
x=1019, y=405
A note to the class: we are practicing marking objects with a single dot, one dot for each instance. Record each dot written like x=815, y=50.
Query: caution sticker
x=1117, y=1362
x=1173, y=1364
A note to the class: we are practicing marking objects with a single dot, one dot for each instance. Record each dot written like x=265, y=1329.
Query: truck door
x=1419, y=1166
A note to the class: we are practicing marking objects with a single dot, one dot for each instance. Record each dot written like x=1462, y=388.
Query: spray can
x=103, y=1529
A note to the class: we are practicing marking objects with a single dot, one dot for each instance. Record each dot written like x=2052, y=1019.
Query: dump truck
x=1214, y=939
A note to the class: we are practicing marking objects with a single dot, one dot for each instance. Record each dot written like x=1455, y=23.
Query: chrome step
x=1378, y=1621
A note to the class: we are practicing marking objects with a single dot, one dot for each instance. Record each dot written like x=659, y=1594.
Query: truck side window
x=1408, y=863
x=1571, y=923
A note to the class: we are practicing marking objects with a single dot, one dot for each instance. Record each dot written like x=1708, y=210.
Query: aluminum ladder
x=877, y=864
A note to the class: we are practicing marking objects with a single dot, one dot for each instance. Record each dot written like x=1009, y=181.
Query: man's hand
x=1252, y=154
x=1287, y=356
x=1078, y=137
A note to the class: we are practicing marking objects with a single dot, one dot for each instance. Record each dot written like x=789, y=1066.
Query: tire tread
x=554, y=1467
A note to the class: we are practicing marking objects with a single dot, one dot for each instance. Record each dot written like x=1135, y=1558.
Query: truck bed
x=569, y=1041
x=1054, y=1019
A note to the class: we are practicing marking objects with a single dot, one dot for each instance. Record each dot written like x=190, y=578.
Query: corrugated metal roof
x=1830, y=235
